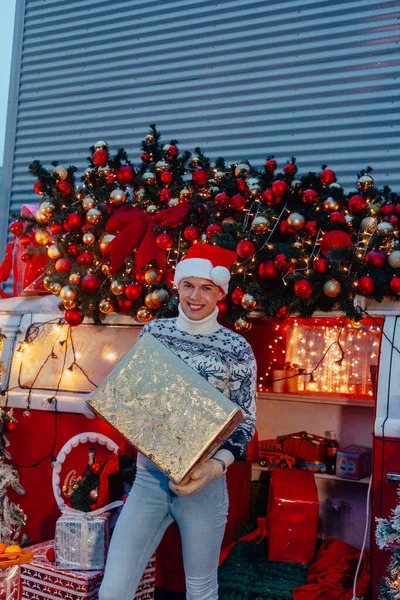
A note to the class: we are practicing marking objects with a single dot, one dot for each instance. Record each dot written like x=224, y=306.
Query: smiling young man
x=200, y=506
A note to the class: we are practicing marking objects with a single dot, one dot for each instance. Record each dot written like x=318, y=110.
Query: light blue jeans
x=150, y=508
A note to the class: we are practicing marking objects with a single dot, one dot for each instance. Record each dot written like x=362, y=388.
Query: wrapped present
x=304, y=446
x=42, y=580
x=10, y=583
x=81, y=540
x=165, y=409
x=354, y=462
x=292, y=516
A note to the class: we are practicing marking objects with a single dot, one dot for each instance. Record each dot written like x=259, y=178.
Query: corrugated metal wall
x=317, y=79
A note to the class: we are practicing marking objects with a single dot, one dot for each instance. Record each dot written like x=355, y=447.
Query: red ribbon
x=6, y=266
x=136, y=231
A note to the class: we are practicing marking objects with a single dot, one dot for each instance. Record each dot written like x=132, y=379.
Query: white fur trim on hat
x=204, y=269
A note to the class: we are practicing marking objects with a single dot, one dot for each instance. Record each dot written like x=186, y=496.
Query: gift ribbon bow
x=135, y=230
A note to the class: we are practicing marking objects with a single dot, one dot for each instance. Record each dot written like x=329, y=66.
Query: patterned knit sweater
x=224, y=359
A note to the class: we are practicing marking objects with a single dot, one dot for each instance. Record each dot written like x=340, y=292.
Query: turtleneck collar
x=207, y=325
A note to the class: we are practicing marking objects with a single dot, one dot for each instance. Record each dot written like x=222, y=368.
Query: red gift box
x=41, y=580
x=292, y=516
x=10, y=583
x=303, y=445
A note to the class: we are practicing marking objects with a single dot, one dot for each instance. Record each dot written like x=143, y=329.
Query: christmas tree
x=388, y=538
x=113, y=239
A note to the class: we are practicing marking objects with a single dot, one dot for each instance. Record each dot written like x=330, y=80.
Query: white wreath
x=81, y=438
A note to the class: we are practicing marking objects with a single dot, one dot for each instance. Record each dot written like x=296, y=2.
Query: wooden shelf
x=316, y=399
x=365, y=480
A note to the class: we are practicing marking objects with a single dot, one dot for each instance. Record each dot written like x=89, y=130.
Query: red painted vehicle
x=270, y=453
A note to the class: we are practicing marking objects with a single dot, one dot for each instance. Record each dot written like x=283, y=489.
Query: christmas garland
x=114, y=238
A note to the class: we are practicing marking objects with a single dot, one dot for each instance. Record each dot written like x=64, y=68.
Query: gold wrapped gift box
x=165, y=409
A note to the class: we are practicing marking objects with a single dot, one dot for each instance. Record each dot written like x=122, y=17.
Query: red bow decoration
x=136, y=231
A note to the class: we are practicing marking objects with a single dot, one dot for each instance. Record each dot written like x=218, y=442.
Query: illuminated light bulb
x=111, y=356
x=58, y=328
x=78, y=355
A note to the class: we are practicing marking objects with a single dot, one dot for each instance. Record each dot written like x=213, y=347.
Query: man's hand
x=201, y=476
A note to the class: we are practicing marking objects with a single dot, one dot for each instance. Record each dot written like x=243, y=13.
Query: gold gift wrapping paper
x=165, y=409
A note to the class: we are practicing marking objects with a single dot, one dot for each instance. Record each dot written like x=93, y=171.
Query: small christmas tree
x=388, y=538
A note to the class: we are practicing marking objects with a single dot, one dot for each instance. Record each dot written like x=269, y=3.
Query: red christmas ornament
x=221, y=201
x=164, y=241
x=133, y=291
x=200, y=177
x=268, y=197
x=223, y=307
x=271, y=165
x=75, y=220
x=166, y=177
x=237, y=202
x=290, y=169
x=26, y=257
x=73, y=317
x=303, y=288
x=56, y=228
x=335, y=239
x=95, y=468
x=126, y=174
x=173, y=151
x=85, y=258
x=66, y=226
x=191, y=233
x=357, y=203
x=394, y=220
x=284, y=228
x=73, y=249
x=141, y=277
x=111, y=177
x=25, y=240
x=321, y=265
x=376, y=259
x=395, y=285
x=51, y=555
x=397, y=209
x=100, y=158
x=16, y=228
x=282, y=312
x=281, y=262
x=124, y=305
x=39, y=188
x=366, y=285
x=237, y=295
x=245, y=249
x=63, y=265
x=311, y=228
x=165, y=195
x=10, y=426
x=145, y=157
x=386, y=210
x=213, y=229
x=327, y=176
x=90, y=283
x=242, y=185
x=267, y=271
x=310, y=196
x=337, y=217
x=94, y=506
x=64, y=187
x=279, y=187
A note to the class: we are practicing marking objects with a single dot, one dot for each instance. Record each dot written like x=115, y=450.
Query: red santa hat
x=207, y=262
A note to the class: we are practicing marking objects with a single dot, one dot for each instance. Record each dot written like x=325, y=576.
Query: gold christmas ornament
x=242, y=324
x=88, y=202
x=54, y=252
x=94, y=494
x=161, y=166
x=106, y=306
x=117, y=287
x=40, y=217
x=253, y=185
x=296, y=185
x=149, y=178
x=228, y=221
x=260, y=225
x=105, y=269
x=55, y=287
x=331, y=204
x=105, y=239
x=385, y=228
x=93, y=216
x=47, y=208
x=104, y=171
x=368, y=224
x=242, y=170
x=153, y=276
x=117, y=196
x=394, y=259
x=47, y=283
x=101, y=145
x=68, y=293
x=74, y=278
x=332, y=288
x=152, y=209
x=143, y=314
x=296, y=221
x=219, y=177
x=248, y=301
x=173, y=202
x=148, y=300
x=88, y=238
x=365, y=183
x=69, y=304
x=60, y=172
x=355, y=323
x=159, y=297
x=42, y=236
x=184, y=194
x=150, y=138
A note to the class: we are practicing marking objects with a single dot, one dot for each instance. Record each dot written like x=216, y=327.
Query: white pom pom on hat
x=206, y=261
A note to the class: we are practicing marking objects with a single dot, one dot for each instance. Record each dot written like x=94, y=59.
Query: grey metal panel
x=312, y=78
